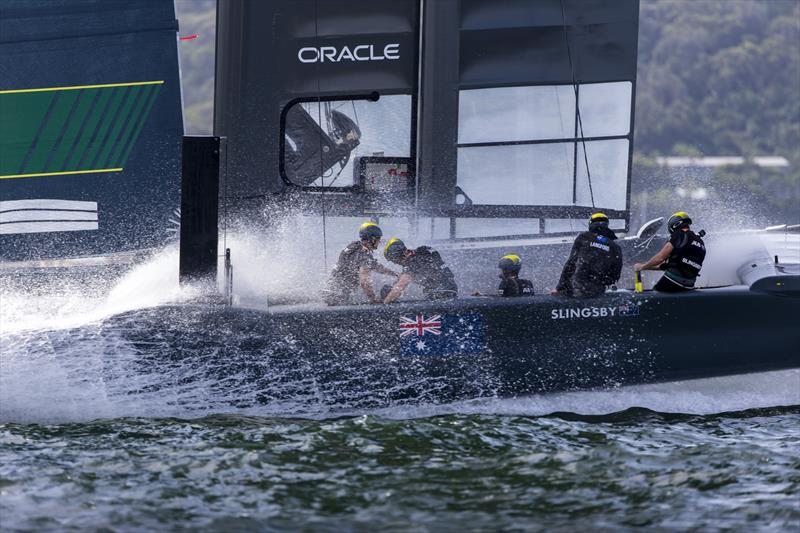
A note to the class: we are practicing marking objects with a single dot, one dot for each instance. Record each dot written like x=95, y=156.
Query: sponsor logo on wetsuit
x=594, y=312
x=605, y=247
x=691, y=263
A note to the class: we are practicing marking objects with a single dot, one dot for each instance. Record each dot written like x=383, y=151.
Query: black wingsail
x=306, y=86
x=90, y=127
x=514, y=110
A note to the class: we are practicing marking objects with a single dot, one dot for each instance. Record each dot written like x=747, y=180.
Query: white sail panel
x=503, y=114
x=608, y=163
x=527, y=174
x=606, y=108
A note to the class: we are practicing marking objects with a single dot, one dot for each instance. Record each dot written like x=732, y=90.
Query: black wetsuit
x=594, y=263
x=427, y=269
x=344, y=279
x=514, y=286
x=684, y=263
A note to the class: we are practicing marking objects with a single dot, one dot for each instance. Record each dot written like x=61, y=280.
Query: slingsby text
x=630, y=309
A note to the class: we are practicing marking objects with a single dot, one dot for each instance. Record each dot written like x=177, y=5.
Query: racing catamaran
x=483, y=127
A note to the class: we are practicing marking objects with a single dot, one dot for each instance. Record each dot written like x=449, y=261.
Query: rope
x=225, y=206
x=321, y=163
x=577, y=106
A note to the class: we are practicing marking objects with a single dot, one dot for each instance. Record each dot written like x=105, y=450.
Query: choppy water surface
x=635, y=468
x=86, y=444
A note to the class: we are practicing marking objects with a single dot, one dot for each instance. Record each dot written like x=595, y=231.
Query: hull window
x=324, y=139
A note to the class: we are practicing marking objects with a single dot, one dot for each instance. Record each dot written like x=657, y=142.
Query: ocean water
x=468, y=472
x=86, y=447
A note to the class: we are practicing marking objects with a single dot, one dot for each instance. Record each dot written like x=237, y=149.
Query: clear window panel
x=605, y=108
x=339, y=232
x=574, y=225
x=516, y=114
x=531, y=174
x=433, y=229
x=608, y=161
x=395, y=227
x=324, y=138
x=565, y=225
x=496, y=227
x=617, y=224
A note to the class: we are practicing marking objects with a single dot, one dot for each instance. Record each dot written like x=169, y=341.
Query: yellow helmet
x=598, y=220
x=678, y=220
x=369, y=230
x=394, y=249
x=510, y=263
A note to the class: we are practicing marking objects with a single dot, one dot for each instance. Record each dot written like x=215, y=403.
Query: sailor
x=423, y=266
x=594, y=262
x=354, y=266
x=681, y=258
x=510, y=282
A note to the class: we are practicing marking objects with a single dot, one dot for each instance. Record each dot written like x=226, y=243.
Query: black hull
x=355, y=356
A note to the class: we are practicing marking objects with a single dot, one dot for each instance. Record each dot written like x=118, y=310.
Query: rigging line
x=328, y=117
x=355, y=113
x=577, y=106
x=225, y=201
x=321, y=162
x=336, y=177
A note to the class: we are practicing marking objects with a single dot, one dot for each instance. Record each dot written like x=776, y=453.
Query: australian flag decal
x=629, y=309
x=422, y=334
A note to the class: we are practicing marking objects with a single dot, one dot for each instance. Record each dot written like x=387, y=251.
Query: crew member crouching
x=423, y=266
x=681, y=258
x=594, y=262
x=510, y=282
x=354, y=266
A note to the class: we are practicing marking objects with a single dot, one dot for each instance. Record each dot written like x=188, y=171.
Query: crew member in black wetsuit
x=681, y=258
x=594, y=262
x=510, y=282
x=353, y=268
x=423, y=266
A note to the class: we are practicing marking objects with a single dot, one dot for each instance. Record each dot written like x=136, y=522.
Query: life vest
x=345, y=274
x=427, y=268
x=600, y=261
x=687, y=256
x=512, y=286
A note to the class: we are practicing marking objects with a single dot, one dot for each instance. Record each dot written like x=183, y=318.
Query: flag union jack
x=420, y=324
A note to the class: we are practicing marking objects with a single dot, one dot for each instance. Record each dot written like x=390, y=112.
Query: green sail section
x=50, y=133
x=93, y=118
x=109, y=112
x=21, y=115
x=139, y=124
x=119, y=120
x=65, y=130
x=64, y=146
x=142, y=95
